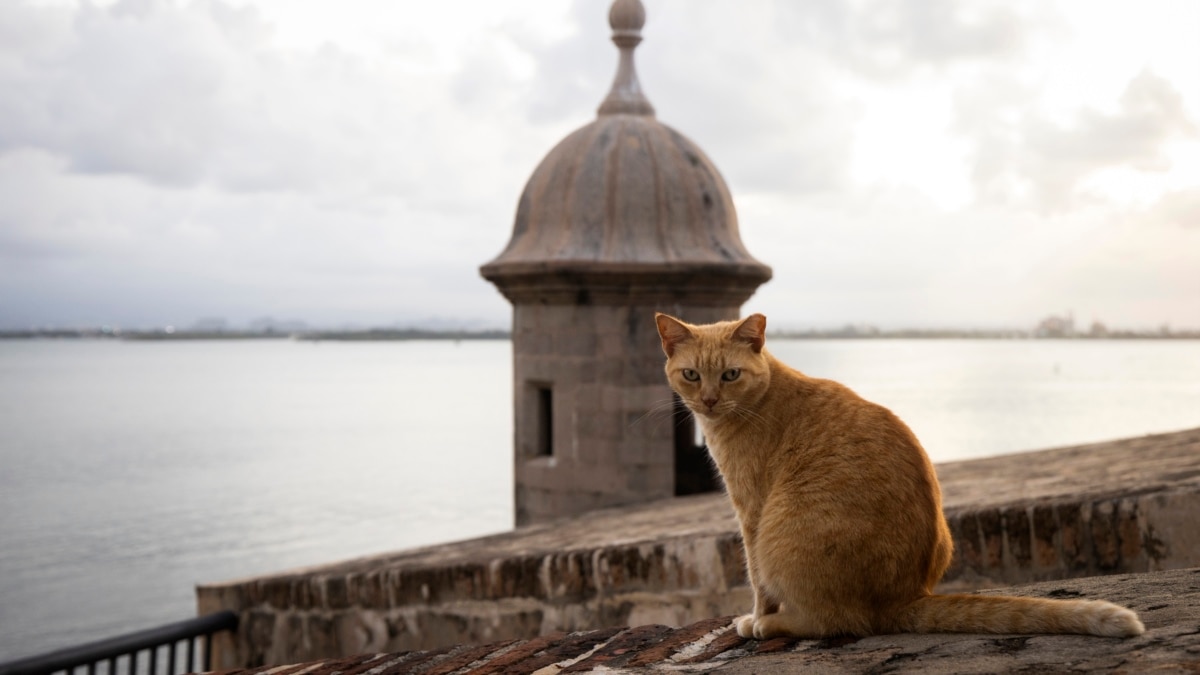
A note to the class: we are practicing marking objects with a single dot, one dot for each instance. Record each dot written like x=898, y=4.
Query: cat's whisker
x=683, y=417
x=659, y=410
x=756, y=420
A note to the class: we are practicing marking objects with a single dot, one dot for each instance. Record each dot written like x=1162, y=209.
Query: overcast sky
x=920, y=163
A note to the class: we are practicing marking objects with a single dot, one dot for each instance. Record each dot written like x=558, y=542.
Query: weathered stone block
x=733, y=560
x=968, y=546
x=296, y=637
x=1073, y=527
x=1045, y=538
x=322, y=637
x=1169, y=531
x=257, y=633
x=363, y=631
x=515, y=577
x=1130, y=536
x=337, y=596
x=568, y=576
x=576, y=343
x=991, y=530
x=276, y=593
x=1105, y=537
x=1018, y=536
x=540, y=342
x=603, y=425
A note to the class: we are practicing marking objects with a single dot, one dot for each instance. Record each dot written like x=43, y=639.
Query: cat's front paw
x=745, y=626
x=770, y=626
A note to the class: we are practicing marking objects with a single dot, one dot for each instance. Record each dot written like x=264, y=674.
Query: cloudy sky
x=922, y=163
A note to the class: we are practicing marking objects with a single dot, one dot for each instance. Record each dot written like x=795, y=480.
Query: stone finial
x=626, y=98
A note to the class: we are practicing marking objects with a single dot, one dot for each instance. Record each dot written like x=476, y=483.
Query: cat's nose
x=710, y=402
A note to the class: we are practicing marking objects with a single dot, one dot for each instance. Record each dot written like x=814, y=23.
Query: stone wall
x=1125, y=506
x=1168, y=603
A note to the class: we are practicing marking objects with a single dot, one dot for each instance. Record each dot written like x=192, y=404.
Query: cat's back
x=829, y=418
x=797, y=396
x=851, y=459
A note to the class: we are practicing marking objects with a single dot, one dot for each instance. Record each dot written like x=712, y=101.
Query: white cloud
x=930, y=162
x=883, y=40
x=1023, y=155
x=1180, y=208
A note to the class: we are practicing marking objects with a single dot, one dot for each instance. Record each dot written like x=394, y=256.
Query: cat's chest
x=743, y=472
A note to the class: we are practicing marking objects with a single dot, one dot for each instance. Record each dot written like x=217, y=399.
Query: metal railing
x=123, y=654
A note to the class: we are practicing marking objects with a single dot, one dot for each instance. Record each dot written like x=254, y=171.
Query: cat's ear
x=672, y=331
x=753, y=331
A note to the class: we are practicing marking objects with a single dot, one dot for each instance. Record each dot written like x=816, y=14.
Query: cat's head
x=717, y=369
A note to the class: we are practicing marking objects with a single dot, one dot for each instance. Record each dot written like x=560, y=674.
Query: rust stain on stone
x=409, y=662
x=336, y=596
x=1105, y=539
x=733, y=561
x=360, y=665
x=676, y=640
x=1072, y=527
x=517, y=577
x=276, y=592
x=991, y=530
x=622, y=648
x=519, y=653
x=956, y=562
x=1155, y=548
x=465, y=657
x=967, y=545
x=322, y=637
x=572, y=646
x=295, y=635
x=723, y=643
x=775, y=645
x=1130, y=535
x=1017, y=532
x=1045, y=531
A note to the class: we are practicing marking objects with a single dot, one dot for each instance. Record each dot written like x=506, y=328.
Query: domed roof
x=626, y=195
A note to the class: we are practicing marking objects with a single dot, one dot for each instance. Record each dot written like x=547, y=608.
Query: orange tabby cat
x=840, y=509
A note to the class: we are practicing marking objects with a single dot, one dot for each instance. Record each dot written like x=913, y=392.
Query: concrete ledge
x=1168, y=602
x=1118, y=507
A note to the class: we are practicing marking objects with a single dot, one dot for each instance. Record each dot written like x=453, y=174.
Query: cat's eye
x=731, y=374
x=690, y=375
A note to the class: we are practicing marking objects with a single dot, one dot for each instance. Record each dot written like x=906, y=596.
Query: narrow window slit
x=544, y=418
x=694, y=471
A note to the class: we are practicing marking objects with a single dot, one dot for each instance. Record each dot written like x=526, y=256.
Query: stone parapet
x=1168, y=603
x=1123, y=506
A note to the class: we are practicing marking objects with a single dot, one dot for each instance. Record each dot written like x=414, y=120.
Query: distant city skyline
x=925, y=164
x=1049, y=325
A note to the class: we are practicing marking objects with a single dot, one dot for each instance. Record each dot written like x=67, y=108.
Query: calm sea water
x=131, y=471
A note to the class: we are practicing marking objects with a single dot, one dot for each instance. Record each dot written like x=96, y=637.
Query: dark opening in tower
x=543, y=420
x=694, y=471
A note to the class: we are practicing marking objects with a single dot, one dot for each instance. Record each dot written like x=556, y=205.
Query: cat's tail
x=1001, y=614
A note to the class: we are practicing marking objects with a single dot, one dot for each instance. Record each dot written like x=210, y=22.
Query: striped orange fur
x=839, y=506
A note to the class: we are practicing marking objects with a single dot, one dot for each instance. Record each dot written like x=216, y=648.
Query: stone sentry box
x=623, y=218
